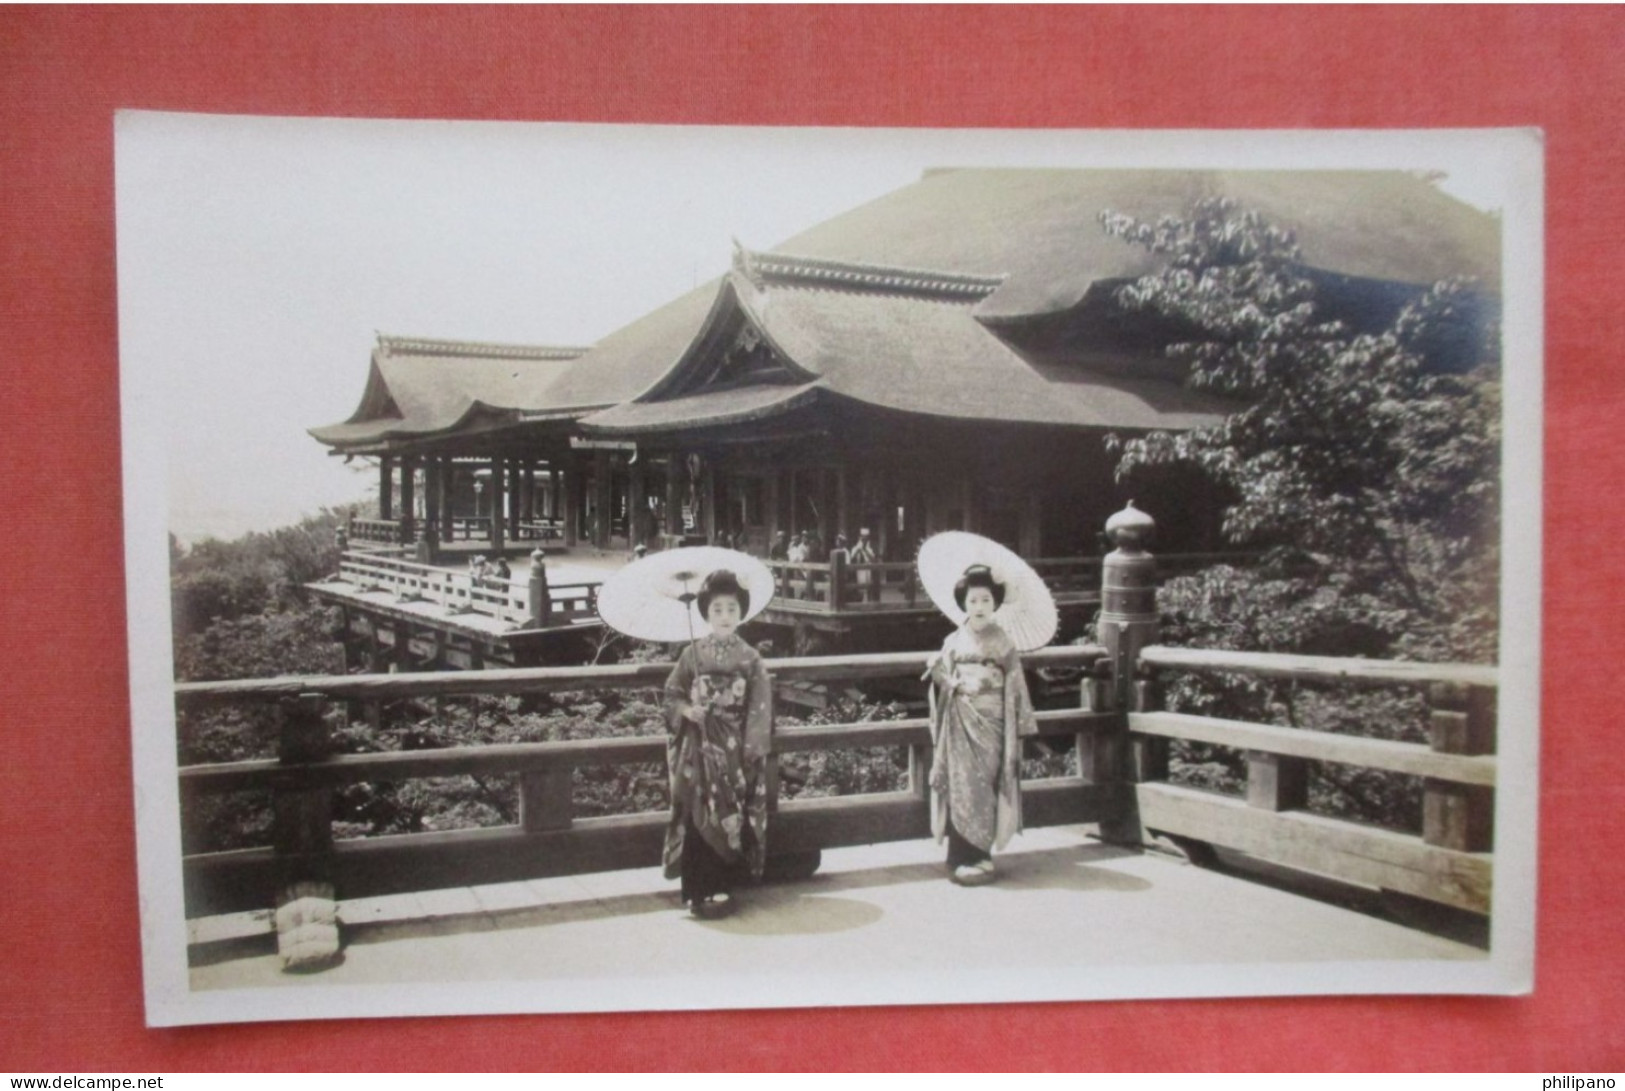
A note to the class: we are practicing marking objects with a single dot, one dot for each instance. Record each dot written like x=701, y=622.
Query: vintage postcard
x=580, y=568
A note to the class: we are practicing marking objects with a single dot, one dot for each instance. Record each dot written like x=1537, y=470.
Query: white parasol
x=1027, y=615
x=654, y=598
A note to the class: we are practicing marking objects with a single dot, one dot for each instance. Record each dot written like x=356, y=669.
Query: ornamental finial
x=1130, y=529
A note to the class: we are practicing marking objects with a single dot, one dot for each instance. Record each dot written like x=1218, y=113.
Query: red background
x=68, y=933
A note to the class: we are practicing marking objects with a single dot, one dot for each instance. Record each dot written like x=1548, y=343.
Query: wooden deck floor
x=1069, y=918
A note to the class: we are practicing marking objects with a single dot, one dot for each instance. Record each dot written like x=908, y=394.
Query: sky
x=260, y=257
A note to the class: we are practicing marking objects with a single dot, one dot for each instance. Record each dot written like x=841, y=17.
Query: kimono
x=980, y=711
x=718, y=767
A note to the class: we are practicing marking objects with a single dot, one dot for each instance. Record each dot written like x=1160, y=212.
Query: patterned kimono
x=717, y=790
x=977, y=732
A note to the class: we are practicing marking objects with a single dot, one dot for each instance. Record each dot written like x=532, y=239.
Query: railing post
x=541, y=600
x=1276, y=782
x=544, y=799
x=837, y=577
x=428, y=547
x=1128, y=622
x=919, y=768
x=1460, y=816
x=302, y=837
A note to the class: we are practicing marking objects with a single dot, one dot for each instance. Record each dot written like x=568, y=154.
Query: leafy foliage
x=1369, y=460
x=1364, y=461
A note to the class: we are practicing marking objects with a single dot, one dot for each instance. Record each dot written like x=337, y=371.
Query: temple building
x=949, y=356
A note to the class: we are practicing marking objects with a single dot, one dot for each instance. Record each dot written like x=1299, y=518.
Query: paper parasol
x=654, y=598
x=1028, y=614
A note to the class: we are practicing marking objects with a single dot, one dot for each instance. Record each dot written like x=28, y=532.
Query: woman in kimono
x=980, y=712
x=719, y=711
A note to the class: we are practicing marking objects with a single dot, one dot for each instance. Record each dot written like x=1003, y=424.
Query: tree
x=1363, y=456
x=1367, y=458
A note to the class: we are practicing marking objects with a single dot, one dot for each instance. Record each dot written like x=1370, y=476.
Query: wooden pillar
x=302, y=838
x=1031, y=542
x=603, y=494
x=551, y=500
x=386, y=487
x=528, y=507
x=708, y=500
x=447, y=490
x=498, y=504
x=409, y=478
x=516, y=497
x=771, y=498
x=1460, y=816
x=795, y=508
x=837, y=578
x=575, y=494
x=637, y=504
x=674, y=494
x=433, y=495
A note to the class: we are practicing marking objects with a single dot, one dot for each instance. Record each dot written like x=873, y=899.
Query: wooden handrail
x=1396, y=757
x=1312, y=668
x=624, y=750
x=556, y=679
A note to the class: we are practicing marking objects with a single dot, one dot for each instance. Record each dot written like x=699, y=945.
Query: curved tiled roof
x=420, y=386
x=886, y=302
x=1040, y=229
x=869, y=339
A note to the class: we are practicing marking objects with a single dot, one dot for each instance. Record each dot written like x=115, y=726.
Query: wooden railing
x=457, y=592
x=1446, y=861
x=384, y=531
x=839, y=586
x=452, y=528
x=548, y=839
x=1123, y=745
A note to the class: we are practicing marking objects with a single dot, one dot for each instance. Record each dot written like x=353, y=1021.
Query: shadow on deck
x=1064, y=901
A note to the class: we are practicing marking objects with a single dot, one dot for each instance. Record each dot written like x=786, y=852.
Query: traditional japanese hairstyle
x=722, y=582
x=978, y=575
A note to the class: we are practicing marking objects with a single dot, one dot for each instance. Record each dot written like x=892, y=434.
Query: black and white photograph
x=618, y=568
